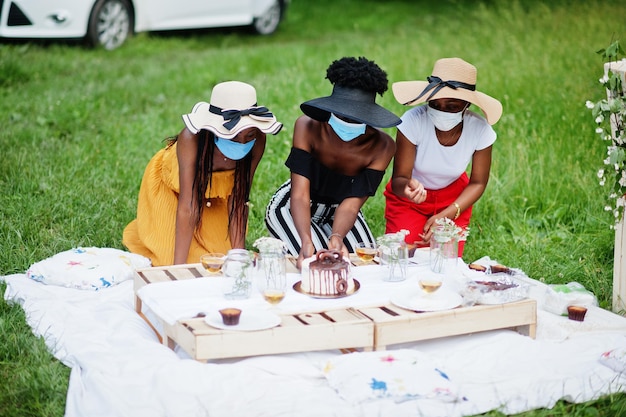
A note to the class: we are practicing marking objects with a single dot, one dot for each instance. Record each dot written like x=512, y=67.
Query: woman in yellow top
x=194, y=193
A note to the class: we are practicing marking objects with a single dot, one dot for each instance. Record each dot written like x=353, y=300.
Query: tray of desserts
x=495, y=288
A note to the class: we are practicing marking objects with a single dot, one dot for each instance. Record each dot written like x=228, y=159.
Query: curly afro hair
x=358, y=73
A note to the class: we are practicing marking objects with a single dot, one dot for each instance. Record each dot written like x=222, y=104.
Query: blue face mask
x=234, y=150
x=346, y=131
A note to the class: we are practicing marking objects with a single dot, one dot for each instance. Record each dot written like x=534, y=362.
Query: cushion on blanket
x=615, y=359
x=87, y=268
x=399, y=374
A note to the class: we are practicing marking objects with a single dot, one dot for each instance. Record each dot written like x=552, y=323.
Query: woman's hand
x=336, y=243
x=428, y=229
x=402, y=182
x=415, y=191
x=308, y=250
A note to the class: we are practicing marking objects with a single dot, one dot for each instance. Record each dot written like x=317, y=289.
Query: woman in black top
x=337, y=161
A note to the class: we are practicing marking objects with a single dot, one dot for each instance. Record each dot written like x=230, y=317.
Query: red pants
x=401, y=213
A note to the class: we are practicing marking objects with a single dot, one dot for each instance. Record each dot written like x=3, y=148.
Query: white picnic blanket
x=120, y=369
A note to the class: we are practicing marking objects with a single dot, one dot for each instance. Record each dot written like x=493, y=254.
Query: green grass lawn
x=79, y=126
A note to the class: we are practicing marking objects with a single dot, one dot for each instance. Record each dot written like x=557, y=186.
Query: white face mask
x=444, y=121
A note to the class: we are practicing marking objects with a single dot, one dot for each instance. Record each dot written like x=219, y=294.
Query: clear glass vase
x=444, y=254
x=271, y=267
x=394, y=257
x=237, y=273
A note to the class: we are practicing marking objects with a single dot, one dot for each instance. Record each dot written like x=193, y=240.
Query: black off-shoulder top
x=328, y=186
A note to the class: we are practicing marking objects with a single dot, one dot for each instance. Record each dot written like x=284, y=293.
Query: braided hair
x=203, y=179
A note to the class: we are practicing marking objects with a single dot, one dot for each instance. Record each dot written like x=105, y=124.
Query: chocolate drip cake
x=328, y=274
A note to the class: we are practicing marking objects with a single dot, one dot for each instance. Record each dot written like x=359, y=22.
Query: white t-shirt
x=438, y=166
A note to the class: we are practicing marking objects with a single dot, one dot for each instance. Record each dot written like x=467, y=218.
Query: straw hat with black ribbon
x=233, y=108
x=451, y=78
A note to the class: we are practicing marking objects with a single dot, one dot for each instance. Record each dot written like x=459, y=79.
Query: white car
x=108, y=23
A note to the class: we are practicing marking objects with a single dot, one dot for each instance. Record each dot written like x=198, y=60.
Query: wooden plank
x=156, y=274
x=313, y=318
x=172, y=273
x=290, y=320
x=334, y=329
x=411, y=326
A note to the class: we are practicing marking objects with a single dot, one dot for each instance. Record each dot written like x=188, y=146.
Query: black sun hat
x=352, y=103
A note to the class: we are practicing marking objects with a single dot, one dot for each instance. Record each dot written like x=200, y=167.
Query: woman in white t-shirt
x=435, y=145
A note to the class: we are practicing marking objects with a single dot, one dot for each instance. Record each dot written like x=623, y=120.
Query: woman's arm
x=186, y=152
x=345, y=217
x=402, y=182
x=305, y=131
x=479, y=176
x=301, y=213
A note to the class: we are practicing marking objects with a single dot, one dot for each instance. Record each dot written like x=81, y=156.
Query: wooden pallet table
x=394, y=325
x=344, y=329
x=347, y=328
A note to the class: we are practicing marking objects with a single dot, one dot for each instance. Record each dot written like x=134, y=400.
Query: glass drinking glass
x=213, y=262
x=236, y=271
x=366, y=251
x=430, y=285
x=394, y=256
x=271, y=276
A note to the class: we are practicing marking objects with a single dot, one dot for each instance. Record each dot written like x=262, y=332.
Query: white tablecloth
x=185, y=298
x=120, y=369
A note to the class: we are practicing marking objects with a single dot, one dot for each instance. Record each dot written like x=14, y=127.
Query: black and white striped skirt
x=280, y=224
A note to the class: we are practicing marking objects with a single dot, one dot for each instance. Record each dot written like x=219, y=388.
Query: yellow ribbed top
x=152, y=233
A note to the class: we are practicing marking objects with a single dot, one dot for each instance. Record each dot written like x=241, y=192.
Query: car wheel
x=110, y=23
x=268, y=22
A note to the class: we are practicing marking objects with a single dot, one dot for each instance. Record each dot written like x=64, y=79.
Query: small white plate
x=417, y=300
x=250, y=320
